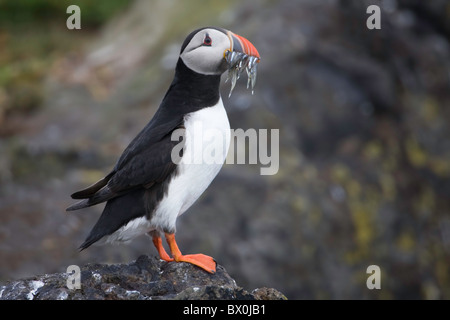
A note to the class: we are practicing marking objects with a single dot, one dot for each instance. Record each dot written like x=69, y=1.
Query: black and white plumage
x=146, y=191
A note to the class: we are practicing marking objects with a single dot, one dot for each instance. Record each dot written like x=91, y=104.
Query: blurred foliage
x=26, y=13
x=33, y=34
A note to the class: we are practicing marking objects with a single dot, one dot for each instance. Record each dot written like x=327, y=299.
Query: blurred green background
x=363, y=115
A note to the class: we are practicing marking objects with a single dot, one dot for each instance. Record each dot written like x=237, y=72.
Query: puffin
x=163, y=171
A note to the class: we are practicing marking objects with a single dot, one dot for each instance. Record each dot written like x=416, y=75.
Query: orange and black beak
x=240, y=44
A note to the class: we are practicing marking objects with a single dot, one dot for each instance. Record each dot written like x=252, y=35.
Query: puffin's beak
x=240, y=44
x=241, y=55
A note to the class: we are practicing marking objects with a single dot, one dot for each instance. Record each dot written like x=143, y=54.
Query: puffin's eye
x=207, y=41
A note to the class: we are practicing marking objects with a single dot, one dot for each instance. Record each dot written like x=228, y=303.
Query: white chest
x=207, y=139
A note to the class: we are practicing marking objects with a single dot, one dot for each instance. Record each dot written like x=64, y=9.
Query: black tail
x=103, y=195
x=93, y=189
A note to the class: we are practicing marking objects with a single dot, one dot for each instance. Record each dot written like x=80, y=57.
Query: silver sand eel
x=237, y=62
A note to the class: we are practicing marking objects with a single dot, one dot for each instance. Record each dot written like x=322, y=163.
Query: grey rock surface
x=146, y=278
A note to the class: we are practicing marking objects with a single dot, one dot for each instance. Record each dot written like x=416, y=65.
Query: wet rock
x=143, y=279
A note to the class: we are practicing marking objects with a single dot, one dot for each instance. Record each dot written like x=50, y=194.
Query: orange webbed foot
x=200, y=260
x=205, y=262
x=162, y=252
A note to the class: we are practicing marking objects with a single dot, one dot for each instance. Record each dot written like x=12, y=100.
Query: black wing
x=145, y=161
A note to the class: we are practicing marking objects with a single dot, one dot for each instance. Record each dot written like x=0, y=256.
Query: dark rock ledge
x=143, y=279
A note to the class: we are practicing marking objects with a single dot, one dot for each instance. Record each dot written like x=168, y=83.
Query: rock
x=144, y=279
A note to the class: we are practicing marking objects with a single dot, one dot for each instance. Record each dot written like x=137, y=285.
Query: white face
x=205, y=52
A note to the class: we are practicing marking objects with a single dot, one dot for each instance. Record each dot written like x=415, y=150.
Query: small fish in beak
x=243, y=55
